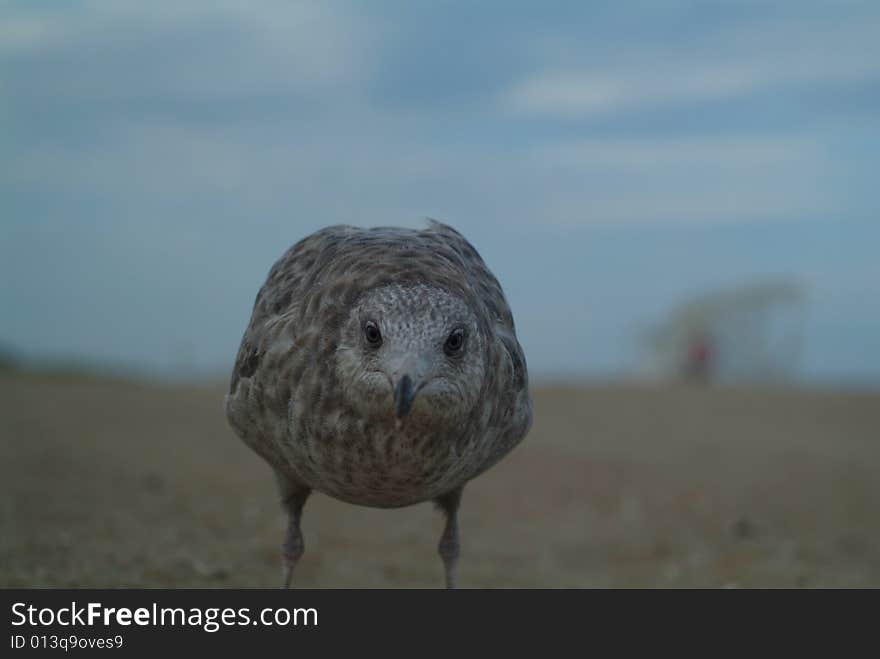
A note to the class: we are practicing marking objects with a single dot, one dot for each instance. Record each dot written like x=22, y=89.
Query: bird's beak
x=404, y=394
x=408, y=372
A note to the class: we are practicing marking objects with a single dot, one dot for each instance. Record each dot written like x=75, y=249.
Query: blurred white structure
x=752, y=332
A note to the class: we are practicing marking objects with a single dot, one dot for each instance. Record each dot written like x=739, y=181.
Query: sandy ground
x=110, y=484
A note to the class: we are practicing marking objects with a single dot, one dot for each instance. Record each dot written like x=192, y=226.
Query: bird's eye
x=454, y=342
x=372, y=334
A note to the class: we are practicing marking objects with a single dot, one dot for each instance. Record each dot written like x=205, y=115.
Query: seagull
x=380, y=367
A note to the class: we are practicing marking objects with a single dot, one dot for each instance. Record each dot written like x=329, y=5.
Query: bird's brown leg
x=293, y=498
x=448, y=547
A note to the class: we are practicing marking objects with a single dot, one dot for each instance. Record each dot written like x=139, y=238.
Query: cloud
x=22, y=34
x=674, y=180
x=762, y=57
x=731, y=153
x=156, y=169
x=129, y=50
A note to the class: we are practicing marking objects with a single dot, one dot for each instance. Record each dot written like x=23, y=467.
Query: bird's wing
x=279, y=299
x=484, y=283
x=512, y=417
x=279, y=343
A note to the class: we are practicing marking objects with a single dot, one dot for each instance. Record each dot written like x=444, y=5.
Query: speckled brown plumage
x=349, y=380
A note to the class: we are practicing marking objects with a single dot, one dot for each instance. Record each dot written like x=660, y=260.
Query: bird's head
x=412, y=351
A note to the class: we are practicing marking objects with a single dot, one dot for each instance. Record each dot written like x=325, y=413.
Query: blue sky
x=607, y=159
